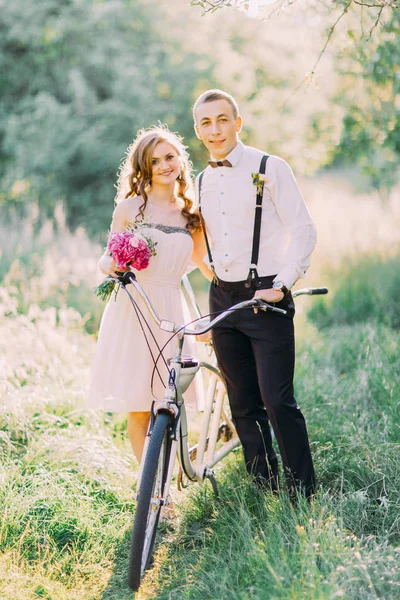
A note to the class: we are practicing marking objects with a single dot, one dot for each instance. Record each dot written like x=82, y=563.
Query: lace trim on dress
x=167, y=228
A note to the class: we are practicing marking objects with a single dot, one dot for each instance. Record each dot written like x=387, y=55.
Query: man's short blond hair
x=211, y=96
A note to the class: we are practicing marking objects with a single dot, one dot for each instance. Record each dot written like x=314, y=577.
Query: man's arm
x=296, y=220
x=199, y=254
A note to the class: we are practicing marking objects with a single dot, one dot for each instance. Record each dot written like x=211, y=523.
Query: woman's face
x=166, y=164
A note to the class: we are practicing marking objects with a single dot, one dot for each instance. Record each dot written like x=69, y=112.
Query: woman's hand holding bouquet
x=107, y=265
x=125, y=249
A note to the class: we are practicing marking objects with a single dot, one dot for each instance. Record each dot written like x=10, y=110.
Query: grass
x=67, y=482
x=364, y=289
x=347, y=542
x=50, y=268
x=67, y=475
x=66, y=479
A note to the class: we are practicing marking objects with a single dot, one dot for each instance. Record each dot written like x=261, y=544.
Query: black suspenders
x=253, y=275
x=210, y=258
x=252, y=278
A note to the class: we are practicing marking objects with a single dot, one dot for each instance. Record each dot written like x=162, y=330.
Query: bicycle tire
x=152, y=484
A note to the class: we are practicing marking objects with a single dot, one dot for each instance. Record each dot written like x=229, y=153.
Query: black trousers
x=256, y=355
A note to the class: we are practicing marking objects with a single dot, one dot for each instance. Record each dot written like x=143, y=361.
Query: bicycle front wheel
x=150, y=500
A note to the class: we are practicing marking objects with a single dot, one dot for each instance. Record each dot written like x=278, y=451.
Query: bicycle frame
x=207, y=453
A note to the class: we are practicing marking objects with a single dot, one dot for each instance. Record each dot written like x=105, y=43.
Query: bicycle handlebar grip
x=318, y=291
x=127, y=277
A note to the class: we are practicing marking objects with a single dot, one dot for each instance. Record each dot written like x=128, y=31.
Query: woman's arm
x=199, y=252
x=119, y=222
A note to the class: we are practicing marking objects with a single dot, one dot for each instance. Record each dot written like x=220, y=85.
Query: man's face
x=217, y=127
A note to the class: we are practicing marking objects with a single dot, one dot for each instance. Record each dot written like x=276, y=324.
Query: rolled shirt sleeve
x=296, y=220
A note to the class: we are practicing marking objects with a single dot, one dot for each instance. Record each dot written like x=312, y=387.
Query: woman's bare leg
x=138, y=423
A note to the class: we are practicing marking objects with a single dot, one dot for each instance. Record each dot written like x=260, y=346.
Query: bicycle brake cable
x=155, y=368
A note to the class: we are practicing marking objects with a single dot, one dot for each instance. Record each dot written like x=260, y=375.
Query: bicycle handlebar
x=253, y=303
x=310, y=292
x=130, y=277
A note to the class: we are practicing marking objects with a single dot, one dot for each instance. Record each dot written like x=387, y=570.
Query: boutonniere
x=258, y=180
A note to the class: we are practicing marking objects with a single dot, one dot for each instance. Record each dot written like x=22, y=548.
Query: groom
x=259, y=237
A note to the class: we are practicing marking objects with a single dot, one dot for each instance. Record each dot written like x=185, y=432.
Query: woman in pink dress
x=154, y=193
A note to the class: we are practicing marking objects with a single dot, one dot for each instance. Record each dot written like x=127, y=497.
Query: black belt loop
x=210, y=258
x=253, y=278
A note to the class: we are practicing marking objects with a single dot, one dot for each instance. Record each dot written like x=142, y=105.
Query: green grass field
x=67, y=476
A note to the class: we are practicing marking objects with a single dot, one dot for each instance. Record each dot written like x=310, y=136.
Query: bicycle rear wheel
x=150, y=497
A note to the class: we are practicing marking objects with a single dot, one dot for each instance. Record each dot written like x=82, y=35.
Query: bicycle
x=167, y=435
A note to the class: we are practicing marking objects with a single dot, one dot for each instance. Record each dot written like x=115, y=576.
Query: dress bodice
x=173, y=251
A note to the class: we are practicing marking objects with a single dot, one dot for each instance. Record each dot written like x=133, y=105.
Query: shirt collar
x=234, y=155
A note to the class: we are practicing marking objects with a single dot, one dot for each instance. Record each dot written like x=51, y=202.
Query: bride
x=154, y=193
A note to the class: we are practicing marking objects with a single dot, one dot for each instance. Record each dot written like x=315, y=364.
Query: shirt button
x=223, y=213
x=222, y=193
x=226, y=255
x=225, y=234
x=226, y=270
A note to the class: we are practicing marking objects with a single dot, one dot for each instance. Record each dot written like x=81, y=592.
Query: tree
x=368, y=102
x=362, y=127
x=82, y=77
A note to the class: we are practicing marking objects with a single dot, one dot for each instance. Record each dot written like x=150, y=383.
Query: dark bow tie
x=219, y=163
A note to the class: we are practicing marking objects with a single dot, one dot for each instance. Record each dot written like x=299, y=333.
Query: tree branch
x=312, y=73
x=380, y=5
x=212, y=5
x=377, y=22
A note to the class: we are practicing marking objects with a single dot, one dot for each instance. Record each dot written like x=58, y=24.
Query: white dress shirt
x=228, y=199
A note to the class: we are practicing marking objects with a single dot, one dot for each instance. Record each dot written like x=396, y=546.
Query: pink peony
x=129, y=249
x=134, y=241
x=142, y=256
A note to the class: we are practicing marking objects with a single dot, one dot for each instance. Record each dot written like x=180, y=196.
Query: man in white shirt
x=255, y=352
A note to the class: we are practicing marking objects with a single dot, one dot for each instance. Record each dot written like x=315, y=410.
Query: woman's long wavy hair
x=135, y=174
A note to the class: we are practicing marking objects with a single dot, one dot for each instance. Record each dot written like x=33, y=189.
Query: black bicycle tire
x=143, y=504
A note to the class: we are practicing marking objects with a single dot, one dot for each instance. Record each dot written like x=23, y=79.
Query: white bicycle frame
x=214, y=404
x=208, y=452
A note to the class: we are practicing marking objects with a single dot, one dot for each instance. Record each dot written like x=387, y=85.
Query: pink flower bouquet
x=128, y=249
